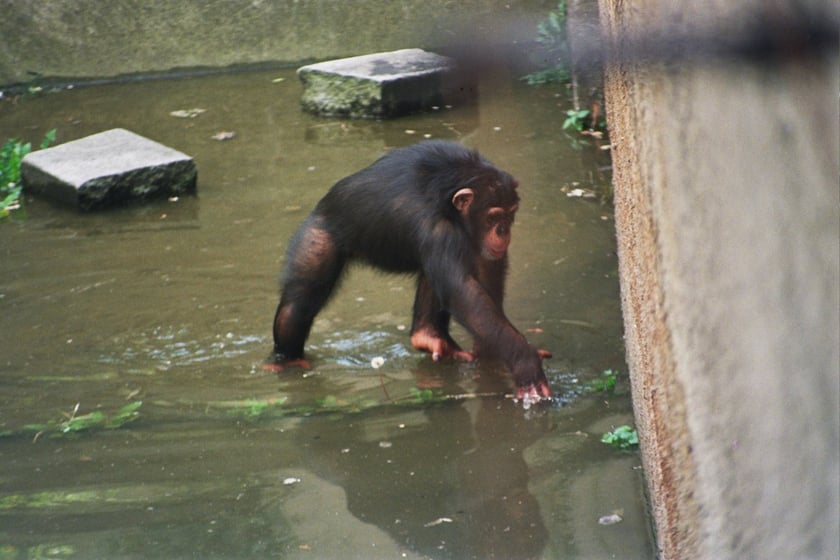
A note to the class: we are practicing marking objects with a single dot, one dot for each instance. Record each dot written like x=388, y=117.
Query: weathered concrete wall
x=91, y=38
x=728, y=217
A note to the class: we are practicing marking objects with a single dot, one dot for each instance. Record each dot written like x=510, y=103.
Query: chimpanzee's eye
x=495, y=216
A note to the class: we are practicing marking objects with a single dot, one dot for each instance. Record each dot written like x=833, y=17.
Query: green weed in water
x=73, y=423
x=255, y=408
x=623, y=437
x=605, y=383
x=423, y=396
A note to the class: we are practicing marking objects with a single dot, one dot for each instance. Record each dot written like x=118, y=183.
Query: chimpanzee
x=436, y=209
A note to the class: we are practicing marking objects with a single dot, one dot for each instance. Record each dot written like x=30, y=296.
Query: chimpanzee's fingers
x=463, y=356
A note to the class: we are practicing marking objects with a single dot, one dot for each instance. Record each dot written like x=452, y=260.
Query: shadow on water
x=171, y=303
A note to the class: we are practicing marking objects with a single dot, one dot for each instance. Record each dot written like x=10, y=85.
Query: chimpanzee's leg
x=312, y=270
x=430, y=325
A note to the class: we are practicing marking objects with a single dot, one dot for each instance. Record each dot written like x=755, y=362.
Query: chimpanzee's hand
x=531, y=383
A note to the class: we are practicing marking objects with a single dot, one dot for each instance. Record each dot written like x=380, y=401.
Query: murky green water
x=171, y=303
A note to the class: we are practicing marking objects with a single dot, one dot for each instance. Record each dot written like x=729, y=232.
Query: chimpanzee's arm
x=473, y=307
x=460, y=291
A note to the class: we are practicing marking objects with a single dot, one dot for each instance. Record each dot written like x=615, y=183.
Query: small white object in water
x=291, y=480
x=223, y=135
x=581, y=193
x=377, y=362
x=188, y=113
x=610, y=519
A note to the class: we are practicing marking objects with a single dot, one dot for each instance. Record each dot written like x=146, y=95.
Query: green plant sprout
x=575, y=119
x=11, y=156
x=624, y=438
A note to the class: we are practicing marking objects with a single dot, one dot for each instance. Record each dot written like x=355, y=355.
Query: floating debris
x=581, y=193
x=291, y=480
x=610, y=519
x=377, y=362
x=188, y=113
x=223, y=135
x=438, y=521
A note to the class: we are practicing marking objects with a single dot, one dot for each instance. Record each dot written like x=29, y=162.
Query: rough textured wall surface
x=92, y=39
x=728, y=219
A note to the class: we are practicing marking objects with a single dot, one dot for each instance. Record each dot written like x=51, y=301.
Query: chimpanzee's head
x=487, y=204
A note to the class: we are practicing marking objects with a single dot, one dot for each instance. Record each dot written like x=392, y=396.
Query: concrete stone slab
x=384, y=85
x=108, y=169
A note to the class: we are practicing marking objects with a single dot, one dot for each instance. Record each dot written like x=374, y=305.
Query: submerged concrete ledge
x=108, y=169
x=383, y=85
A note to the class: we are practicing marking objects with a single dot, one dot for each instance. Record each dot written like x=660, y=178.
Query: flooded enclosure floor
x=138, y=421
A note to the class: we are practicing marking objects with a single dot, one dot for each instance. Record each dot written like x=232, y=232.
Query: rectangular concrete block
x=108, y=169
x=384, y=85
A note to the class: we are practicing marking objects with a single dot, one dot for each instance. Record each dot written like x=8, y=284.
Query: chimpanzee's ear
x=462, y=200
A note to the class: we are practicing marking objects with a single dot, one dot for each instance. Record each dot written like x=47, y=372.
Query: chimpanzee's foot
x=440, y=347
x=277, y=362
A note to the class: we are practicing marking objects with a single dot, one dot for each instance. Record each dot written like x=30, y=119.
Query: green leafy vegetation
x=623, y=437
x=253, y=408
x=575, y=119
x=11, y=155
x=72, y=422
x=605, y=383
x=551, y=36
x=419, y=396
